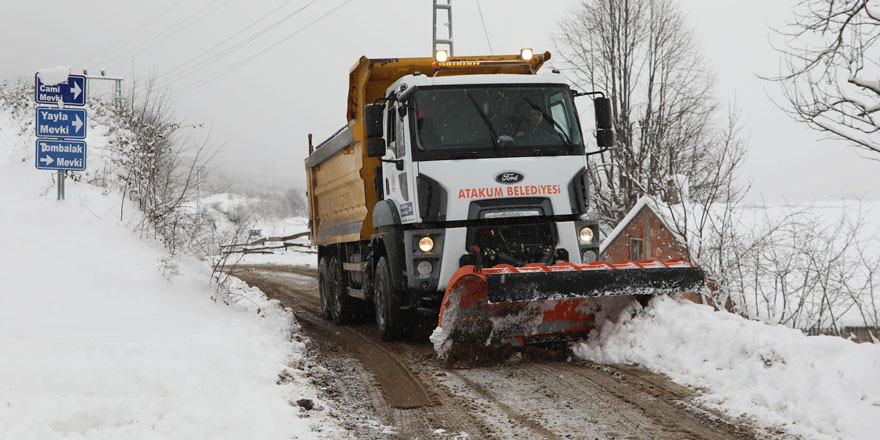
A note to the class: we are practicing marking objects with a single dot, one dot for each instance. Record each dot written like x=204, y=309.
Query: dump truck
x=458, y=192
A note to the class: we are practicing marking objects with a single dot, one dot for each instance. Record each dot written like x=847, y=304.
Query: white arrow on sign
x=47, y=160
x=76, y=89
x=78, y=123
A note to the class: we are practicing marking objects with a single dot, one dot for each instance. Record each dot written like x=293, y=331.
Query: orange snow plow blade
x=506, y=305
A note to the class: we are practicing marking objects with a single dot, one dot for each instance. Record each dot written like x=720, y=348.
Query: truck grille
x=516, y=245
x=513, y=236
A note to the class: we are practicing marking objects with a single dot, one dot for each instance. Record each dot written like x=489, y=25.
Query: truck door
x=398, y=182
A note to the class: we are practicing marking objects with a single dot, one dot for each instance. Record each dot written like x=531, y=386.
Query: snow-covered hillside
x=231, y=211
x=102, y=335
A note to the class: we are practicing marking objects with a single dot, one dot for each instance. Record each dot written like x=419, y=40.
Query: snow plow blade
x=506, y=305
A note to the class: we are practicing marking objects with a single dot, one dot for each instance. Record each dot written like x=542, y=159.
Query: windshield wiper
x=549, y=119
x=485, y=119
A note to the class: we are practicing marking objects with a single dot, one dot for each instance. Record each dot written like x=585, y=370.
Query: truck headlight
x=526, y=54
x=426, y=244
x=441, y=56
x=585, y=234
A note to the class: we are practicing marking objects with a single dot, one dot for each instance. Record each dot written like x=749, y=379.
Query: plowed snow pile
x=102, y=336
x=819, y=387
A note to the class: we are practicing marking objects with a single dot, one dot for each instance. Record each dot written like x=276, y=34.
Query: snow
x=818, y=387
x=54, y=75
x=440, y=337
x=103, y=335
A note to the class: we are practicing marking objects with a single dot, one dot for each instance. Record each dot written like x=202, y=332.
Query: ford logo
x=509, y=177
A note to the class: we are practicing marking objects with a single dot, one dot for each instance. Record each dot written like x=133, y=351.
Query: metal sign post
x=117, y=83
x=60, y=185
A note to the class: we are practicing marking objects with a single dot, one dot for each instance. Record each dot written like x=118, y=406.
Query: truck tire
x=390, y=320
x=325, y=288
x=342, y=306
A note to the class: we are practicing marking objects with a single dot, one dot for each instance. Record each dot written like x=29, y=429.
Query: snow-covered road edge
x=295, y=378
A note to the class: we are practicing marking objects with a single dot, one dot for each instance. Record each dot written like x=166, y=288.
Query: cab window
x=399, y=135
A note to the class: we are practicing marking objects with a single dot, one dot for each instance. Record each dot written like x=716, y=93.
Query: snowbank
x=818, y=387
x=102, y=335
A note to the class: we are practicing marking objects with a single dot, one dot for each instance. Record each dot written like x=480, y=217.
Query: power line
x=194, y=69
x=148, y=40
x=248, y=59
x=485, y=31
x=204, y=53
x=120, y=40
x=168, y=33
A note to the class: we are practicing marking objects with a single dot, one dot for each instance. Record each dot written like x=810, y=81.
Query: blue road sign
x=55, y=154
x=71, y=92
x=68, y=123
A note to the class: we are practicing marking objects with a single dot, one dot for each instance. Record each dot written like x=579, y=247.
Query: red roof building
x=644, y=234
x=647, y=234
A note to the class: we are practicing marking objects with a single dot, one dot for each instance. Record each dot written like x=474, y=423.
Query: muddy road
x=386, y=390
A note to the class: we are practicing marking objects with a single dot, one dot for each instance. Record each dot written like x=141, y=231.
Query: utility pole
x=439, y=6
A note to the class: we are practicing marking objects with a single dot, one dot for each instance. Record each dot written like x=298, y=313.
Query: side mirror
x=375, y=147
x=604, y=123
x=603, y=113
x=373, y=119
x=605, y=138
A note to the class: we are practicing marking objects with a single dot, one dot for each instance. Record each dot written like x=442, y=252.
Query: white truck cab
x=483, y=169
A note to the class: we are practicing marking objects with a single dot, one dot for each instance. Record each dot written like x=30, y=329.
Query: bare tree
x=706, y=221
x=830, y=75
x=156, y=159
x=796, y=268
x=643, y=55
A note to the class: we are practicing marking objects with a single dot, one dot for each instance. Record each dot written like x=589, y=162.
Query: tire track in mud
x=401, y=389
x=585, y=400
x=408, y=398
x=645, y=399
x=403, y=385
x=533, y=426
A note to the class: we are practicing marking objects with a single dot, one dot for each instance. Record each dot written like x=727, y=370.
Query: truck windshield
x=459, y=122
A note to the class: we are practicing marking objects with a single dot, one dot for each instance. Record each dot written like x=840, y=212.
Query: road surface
x=386, y=390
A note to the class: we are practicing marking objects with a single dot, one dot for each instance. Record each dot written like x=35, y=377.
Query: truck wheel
x=342, y=306
x=389, y=318
x=325, y=288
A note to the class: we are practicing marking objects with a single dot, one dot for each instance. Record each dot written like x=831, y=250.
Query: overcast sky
x=262, y=101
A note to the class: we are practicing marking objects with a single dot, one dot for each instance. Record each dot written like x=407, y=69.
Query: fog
x=259, y=102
